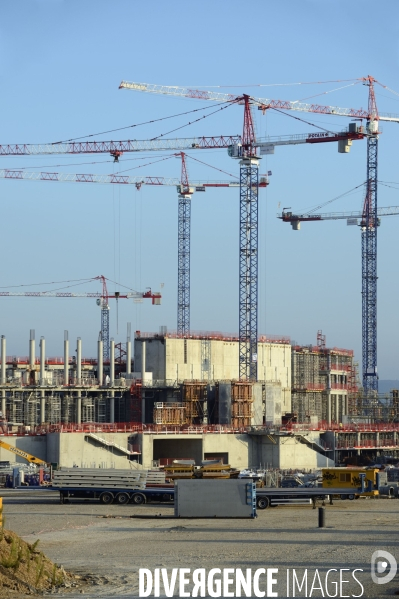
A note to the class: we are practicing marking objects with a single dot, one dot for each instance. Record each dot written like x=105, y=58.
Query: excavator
x=22, y=454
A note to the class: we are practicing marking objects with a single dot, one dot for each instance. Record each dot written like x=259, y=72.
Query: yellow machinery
x=351, y=479
x=22, y=454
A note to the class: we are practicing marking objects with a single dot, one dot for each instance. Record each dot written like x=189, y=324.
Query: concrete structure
x=323, y=383
x=148, y=449
x=171, y=361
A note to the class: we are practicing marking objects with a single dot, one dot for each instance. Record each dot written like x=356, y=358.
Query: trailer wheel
x=262, y=503
x=106, y=498
x=344, y=497
x=138, y=498
x=351, y=496
x=122, y=498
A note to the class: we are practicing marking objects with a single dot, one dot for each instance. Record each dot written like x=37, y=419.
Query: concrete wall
x=258, y=408
x=181, y=359
x=77, y=449
x=242, y=450
x=286, y=453
x=274, y=400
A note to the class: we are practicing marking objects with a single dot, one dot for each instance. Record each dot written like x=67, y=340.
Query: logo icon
x=380, y=562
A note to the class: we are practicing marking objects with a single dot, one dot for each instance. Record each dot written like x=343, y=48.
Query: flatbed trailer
x=265, y=497
x=121, y=496
x=269, y=497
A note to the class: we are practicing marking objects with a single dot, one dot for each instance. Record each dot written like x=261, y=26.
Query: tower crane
x=351, y=217
x=369, y=221
x=184, y=191
x=242, y=148
x=102, y=300
x=247, y=153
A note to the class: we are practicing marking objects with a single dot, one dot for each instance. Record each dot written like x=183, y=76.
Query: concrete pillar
x=129, y=349
x=32, y=356
x=112, y=362
x=79, y=407
x=41, y=381
x=143, y=356
x=329, y=407
x=3, y=375
x=79, y=361
x=100, y=365
x=128, y=357
x=42, y=360
x=3, y=360
x=112, y=407
x=79, y=380
x=66, y=358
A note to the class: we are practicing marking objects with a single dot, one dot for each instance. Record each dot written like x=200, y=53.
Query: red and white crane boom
x=246, y=152
x=118, y=148
x=264, y=103
x=138, y=181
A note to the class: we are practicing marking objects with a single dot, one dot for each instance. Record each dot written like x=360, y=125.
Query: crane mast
x=369, y=253
x=248, y=251
x=183, y=257
x=102, y=300
x=369, y=230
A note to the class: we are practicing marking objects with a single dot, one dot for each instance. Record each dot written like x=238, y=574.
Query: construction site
x=169, y=398
x=248, y=399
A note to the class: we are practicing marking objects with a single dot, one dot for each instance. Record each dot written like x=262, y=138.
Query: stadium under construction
x=181, y=397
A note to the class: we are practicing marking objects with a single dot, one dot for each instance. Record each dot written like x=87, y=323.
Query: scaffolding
x=53, y=409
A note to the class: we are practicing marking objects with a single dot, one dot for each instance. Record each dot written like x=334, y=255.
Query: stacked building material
x=169, y=413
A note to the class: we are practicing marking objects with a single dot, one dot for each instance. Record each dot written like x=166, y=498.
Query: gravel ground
x=106, y=545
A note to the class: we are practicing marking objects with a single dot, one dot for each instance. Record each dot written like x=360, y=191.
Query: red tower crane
x=102, y=301
x=247, y=153
x=184, y=190
x=238, y=147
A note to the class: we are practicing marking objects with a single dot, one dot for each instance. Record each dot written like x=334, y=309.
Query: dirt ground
x=104, y=546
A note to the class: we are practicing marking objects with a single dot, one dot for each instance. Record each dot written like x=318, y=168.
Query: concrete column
x=79, y=407
x=42, y=359
x=32, y=356
x=128, y=357
x=143, y=360
x=3, y=360
x=41, y=381
x=3, y=375
x=100, y=365
x=112, y=362
x=129, y=349
x=79, y=380
x=329, y=407
x=66, y=358
x=79, y=361
x=112, y=407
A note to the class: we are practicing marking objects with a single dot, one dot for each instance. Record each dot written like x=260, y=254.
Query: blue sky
x=61, y=63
